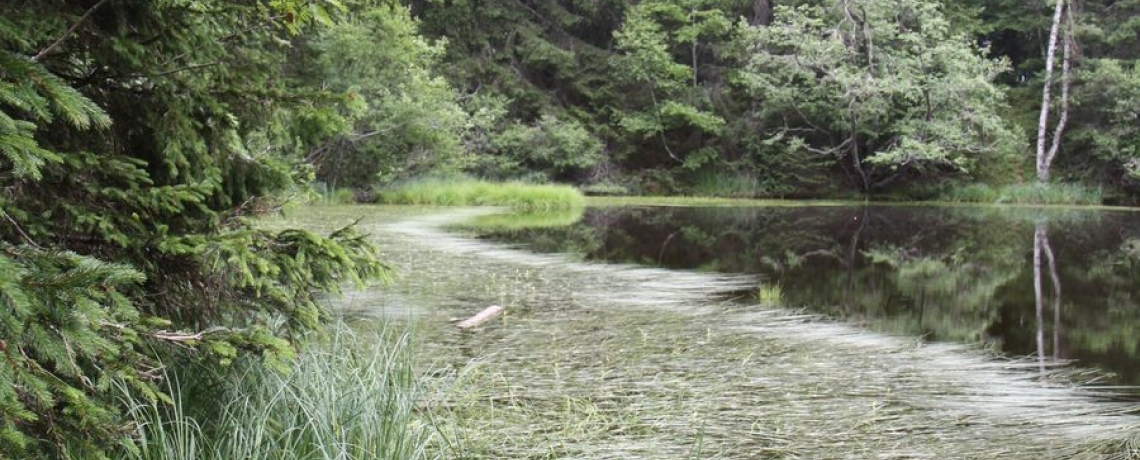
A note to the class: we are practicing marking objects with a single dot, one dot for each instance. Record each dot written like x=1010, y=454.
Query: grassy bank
x=350, y=398
x=469, y=192
x=1030, y=193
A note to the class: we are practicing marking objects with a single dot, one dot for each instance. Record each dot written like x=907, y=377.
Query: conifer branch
x=70, y=31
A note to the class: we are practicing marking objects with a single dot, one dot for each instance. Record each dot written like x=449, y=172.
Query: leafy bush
x=551, y=145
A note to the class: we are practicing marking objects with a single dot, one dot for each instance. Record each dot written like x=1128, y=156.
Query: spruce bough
x=136, y=141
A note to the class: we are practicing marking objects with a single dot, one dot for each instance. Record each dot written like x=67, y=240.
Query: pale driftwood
x=486, y=315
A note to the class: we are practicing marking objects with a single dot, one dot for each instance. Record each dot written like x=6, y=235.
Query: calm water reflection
x=955, y=274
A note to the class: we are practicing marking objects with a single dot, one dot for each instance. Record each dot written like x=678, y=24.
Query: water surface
x=961, y=274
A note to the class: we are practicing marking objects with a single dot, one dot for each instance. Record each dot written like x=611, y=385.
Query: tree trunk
x=1045, y=158
x=762, y=12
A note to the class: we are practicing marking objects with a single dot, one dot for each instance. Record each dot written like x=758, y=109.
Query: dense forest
x=139, y=139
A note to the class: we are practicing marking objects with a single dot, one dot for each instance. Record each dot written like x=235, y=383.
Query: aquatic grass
x=353, y=398
x=469, y=192
x=605, y=189
x=321, y=193
x=619, y=361
x=770, y=294
x=526, y=220
x=1026, y=193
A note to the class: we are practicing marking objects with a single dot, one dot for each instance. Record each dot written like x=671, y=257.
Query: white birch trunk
x=1045, y=158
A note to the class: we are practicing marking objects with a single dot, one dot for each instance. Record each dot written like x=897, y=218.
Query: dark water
x=941, y=273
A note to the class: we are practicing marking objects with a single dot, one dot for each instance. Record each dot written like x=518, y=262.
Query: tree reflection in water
x=965, y=274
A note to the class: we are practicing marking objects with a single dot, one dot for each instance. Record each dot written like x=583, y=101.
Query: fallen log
x=486, y=315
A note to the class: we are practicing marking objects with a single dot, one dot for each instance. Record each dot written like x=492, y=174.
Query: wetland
x=674, y=332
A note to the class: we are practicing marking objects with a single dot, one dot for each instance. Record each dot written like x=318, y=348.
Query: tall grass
x=321, y=193
x=726, y=184
x=1028, y=193
x=353, y=398
x=470, y=192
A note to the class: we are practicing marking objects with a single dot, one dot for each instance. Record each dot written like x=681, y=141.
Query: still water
x=963, y=274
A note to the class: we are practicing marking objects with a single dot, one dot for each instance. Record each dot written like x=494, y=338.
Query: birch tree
x=1061, y=12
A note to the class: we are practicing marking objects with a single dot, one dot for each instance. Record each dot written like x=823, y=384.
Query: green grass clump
x=468, y=192
x=1027, y=193
x=726, y=184
x=353, y=398
x=605, y=189
x=527, y=220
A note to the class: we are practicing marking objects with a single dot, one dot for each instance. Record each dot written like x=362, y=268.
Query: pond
x=945, y=274
x=697, y=349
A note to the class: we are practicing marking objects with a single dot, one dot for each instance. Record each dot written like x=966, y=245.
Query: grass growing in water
x=1029, y=193
x=628, y=362
x=352, y=398
x=524, y=220
x=467, y=192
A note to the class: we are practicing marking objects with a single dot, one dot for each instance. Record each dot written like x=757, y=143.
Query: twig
x=70, y=31
x=20, y=230
x=179, y=337
x=183, y=69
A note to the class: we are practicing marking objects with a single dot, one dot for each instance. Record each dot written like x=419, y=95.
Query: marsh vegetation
x=607, y=360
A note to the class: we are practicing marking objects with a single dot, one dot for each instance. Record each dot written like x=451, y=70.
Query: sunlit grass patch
x=469, y=192
x=770, y=294
x=530, y=219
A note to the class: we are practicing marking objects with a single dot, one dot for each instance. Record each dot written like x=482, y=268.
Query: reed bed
x=606, y=361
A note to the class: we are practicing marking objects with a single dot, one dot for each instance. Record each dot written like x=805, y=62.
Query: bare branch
x=70, y=30
x=20, y=230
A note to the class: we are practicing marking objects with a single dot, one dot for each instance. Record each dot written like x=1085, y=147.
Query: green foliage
x=130, y=161
x=665, y=97
x=69, y=330
x=880, y=86
x=551, y=146
x=1106, y=105
x=396, y=117
x=466, y=192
